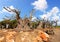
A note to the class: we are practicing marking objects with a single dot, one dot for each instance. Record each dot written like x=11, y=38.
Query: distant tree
x=13, y=23
x=8, y=24
x=56, y=22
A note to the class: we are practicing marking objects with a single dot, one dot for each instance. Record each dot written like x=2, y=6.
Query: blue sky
x=42, y=7
x=23, y=5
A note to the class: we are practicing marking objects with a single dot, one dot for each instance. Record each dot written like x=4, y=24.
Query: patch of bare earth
x=22, y=36
x=56, y=36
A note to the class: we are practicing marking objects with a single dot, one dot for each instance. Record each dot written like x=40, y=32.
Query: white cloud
x=34, y=19
x=54, y=10
x=12, y=7
x=44, y=16
x=40, y=5
x=3, y=10
x=8, y=8
x=51, y=13
x=55, y=18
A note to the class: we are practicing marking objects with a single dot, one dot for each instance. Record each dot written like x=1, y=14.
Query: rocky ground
x=27, y=36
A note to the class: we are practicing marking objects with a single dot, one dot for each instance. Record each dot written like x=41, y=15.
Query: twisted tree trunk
x=20, y=23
